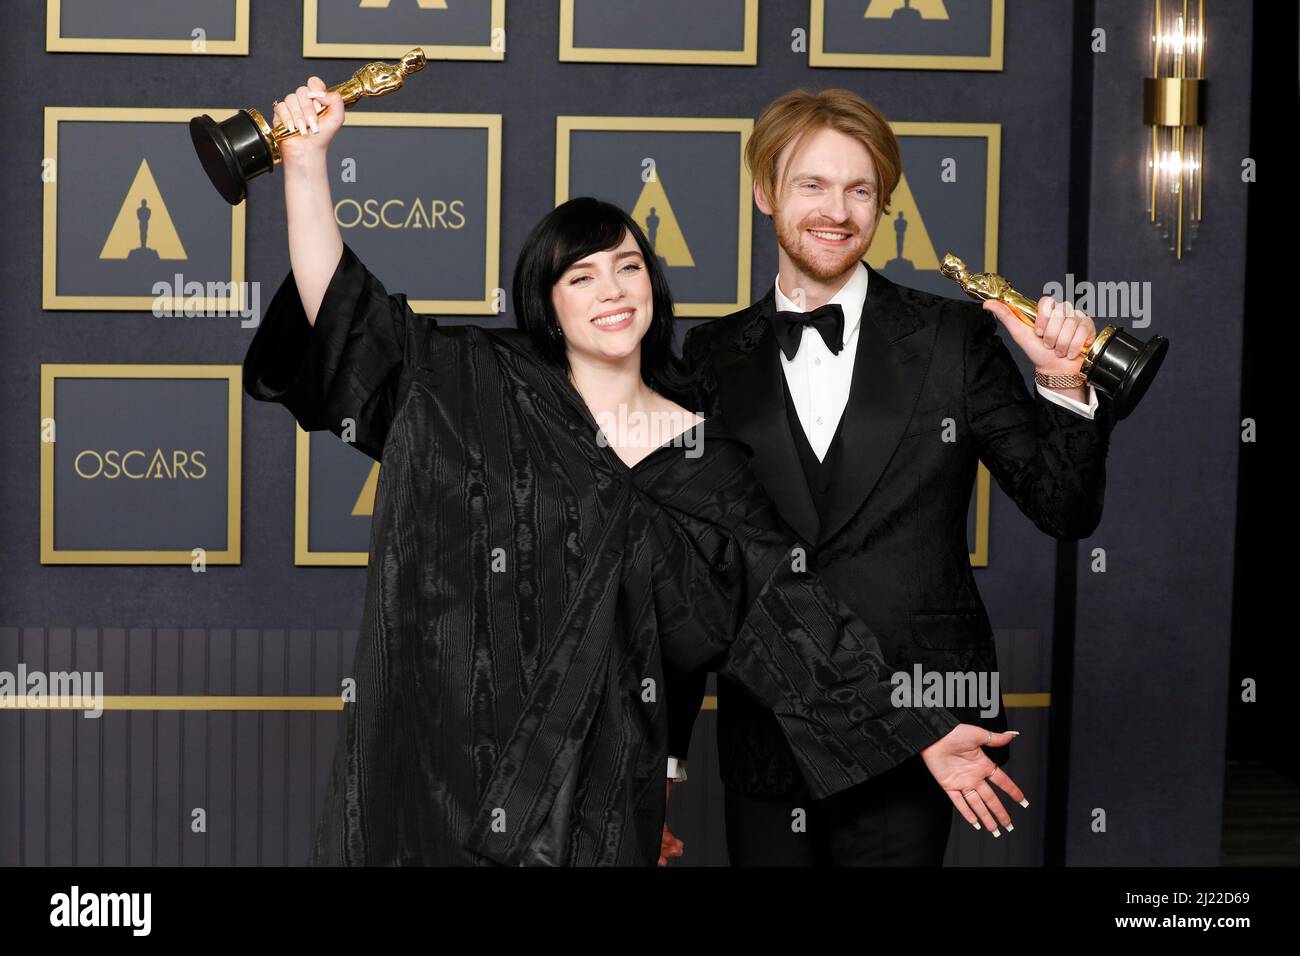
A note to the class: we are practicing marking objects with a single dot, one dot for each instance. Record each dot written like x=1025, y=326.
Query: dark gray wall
x=1151, y=661
x=1163, y=606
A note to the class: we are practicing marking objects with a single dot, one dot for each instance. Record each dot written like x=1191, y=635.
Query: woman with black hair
x=551, y=525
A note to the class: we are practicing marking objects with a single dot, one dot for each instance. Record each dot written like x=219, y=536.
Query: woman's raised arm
x=315, y=244
x=333, y=344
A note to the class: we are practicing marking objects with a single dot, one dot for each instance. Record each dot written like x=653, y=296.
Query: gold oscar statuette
x=1119, y=365
x=236, y=150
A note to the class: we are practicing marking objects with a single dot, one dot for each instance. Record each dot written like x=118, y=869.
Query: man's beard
x=826, y=267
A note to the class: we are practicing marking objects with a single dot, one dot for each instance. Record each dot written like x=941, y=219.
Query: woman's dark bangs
x=587, y=227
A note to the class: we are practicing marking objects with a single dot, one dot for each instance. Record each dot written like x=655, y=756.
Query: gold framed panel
x=51, y=372
x=992, y=132
x=566, y=125
x=492, y=252
x=311, y=46
x=979, y=557
x=303, y=555
x=818, y=57
x=746, y=56
x=993, y=174
x=50, y=297
x=56, y=42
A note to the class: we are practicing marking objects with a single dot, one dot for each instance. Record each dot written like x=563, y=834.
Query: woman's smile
x=614, y=320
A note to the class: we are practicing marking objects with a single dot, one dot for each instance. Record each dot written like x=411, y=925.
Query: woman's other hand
x=959, y=765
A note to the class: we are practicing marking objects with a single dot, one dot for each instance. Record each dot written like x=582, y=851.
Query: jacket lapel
x=749, y=374
x=893, y=354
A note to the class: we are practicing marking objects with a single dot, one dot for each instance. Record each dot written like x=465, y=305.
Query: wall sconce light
x=1174, y=108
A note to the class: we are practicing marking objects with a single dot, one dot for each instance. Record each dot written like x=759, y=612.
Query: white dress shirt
x=819, y=379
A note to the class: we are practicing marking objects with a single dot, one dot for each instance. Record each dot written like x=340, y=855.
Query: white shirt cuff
x=676, y=770
x=1087, y=411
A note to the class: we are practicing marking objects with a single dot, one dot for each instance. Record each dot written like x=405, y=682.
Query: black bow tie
x=827, y=320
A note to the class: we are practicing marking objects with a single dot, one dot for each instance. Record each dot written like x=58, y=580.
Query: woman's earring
x=556, y=332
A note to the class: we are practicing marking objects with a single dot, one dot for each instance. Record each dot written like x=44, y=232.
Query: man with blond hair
x=869, y=407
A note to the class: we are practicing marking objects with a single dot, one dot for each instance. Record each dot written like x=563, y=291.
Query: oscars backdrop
x=204, y=557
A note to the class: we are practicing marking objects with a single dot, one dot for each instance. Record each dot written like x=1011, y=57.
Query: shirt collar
x=851, y=297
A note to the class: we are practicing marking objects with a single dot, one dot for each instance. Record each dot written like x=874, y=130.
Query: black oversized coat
x=525, y=588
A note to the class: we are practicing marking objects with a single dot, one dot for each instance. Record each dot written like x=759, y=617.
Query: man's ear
x=760, y=201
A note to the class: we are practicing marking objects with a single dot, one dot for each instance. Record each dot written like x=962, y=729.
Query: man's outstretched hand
x=959, y=765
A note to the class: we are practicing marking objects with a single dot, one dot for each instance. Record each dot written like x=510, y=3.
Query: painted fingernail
x=975, y=825
x=1010, y=827
x=1024, y=803
x=1014, y=733
x=996, y=834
